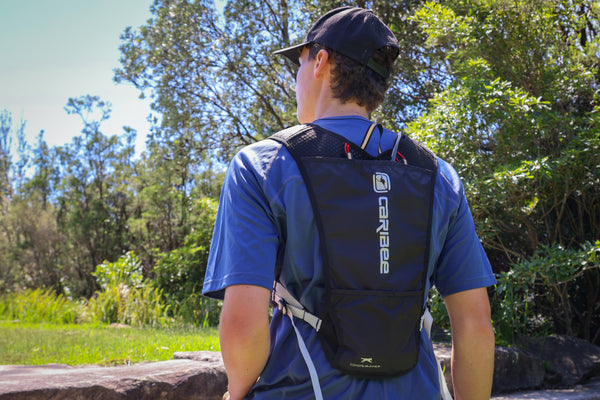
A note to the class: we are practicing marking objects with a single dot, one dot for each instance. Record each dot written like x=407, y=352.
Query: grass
x=77, y=344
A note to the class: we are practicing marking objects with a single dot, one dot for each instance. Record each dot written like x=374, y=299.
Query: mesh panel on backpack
x=312, y=140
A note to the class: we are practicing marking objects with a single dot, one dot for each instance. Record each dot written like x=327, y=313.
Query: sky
x=51, y=50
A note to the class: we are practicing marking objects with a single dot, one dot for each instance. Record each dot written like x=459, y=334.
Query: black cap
x=354, y=32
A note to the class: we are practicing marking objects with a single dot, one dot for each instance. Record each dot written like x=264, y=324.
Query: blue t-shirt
x=264, y=201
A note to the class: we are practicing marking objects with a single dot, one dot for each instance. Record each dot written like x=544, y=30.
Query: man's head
x=361, y=49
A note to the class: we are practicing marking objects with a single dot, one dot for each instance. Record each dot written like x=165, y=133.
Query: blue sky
x=51, y=50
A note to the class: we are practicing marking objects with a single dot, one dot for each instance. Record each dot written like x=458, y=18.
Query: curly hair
x=351, y=81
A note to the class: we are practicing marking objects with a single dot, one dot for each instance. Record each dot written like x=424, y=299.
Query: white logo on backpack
x=382, y=184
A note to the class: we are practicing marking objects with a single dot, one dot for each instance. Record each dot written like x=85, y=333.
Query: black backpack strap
x=416, y=154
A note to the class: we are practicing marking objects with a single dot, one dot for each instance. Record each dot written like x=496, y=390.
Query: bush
x=126, y=271
x=145, y=306
x=125, y=297
x=437, y=307
x=180, y=273
x=544, y=295
x=106, y=306
x=199, y=310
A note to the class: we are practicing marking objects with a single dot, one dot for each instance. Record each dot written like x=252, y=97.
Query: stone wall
x=556, y=361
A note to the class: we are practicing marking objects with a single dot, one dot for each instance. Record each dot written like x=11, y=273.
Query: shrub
x=441, y=321
x=179, y=274
x=145, y=307
x=544, y=295
x=127, y=270
x=125, y=297
x=199, y=310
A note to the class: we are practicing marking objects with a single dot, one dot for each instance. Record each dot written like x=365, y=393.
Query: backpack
x=375, y=248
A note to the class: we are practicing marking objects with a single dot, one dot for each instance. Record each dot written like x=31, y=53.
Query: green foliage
x=218, y=86
x=180, y=273
x=93, y=197
x=498, y=119
x=107, y=306
x=36, y=344
x=438, y=311
x=89, y=200
x=542, y=293
x=127, y=270
x=39, y=305
x=198, y=310
x=519, y=122
x=125, y=298
x=145, y=306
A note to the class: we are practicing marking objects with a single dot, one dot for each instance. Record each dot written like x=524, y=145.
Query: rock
x=515, y=369
x=210, y=357
x=180, y=379
x=568, y=361
x=554, y=361
x=201, y=375
x=589, y=391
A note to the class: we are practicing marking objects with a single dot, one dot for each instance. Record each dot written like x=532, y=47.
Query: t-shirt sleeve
x=462, y=263
x=245, y=239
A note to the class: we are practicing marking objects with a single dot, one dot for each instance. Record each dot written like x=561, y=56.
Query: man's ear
x=322, y=63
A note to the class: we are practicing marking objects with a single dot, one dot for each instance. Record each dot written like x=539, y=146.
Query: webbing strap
x=367, y=137
x=444, y=392
x=293, y=306
x=314, y=377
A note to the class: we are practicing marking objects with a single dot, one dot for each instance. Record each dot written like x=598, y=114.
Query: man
x=266, y=220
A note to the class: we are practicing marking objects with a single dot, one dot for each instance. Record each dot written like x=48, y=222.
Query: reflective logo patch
x=381, y=182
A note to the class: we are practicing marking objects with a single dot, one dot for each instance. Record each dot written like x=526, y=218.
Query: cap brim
x=292, y=53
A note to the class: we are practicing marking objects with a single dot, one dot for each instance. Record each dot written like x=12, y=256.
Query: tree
x=46, y=173
x=5, y=156
x=200, y=77
x=94, y=194
x=7, y=270
x=216, y=83
x=524, y=133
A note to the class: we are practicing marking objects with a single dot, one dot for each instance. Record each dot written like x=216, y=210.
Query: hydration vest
x=374, y=217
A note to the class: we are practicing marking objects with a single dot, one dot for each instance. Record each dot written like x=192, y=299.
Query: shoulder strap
x=416, y=154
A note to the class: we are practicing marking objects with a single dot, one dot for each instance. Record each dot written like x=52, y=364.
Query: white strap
x=314, y=377
x=367, y=137
x=294, y=307
x=288, y=304
x=427, y=323
x=445, y=393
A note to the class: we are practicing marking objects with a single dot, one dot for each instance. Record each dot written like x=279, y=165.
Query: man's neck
x=338, y=109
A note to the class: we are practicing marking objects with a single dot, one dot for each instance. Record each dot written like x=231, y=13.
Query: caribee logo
x=382, y=184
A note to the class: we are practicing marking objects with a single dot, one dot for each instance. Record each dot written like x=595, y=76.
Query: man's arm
x=244, y=336
x=473, y=344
